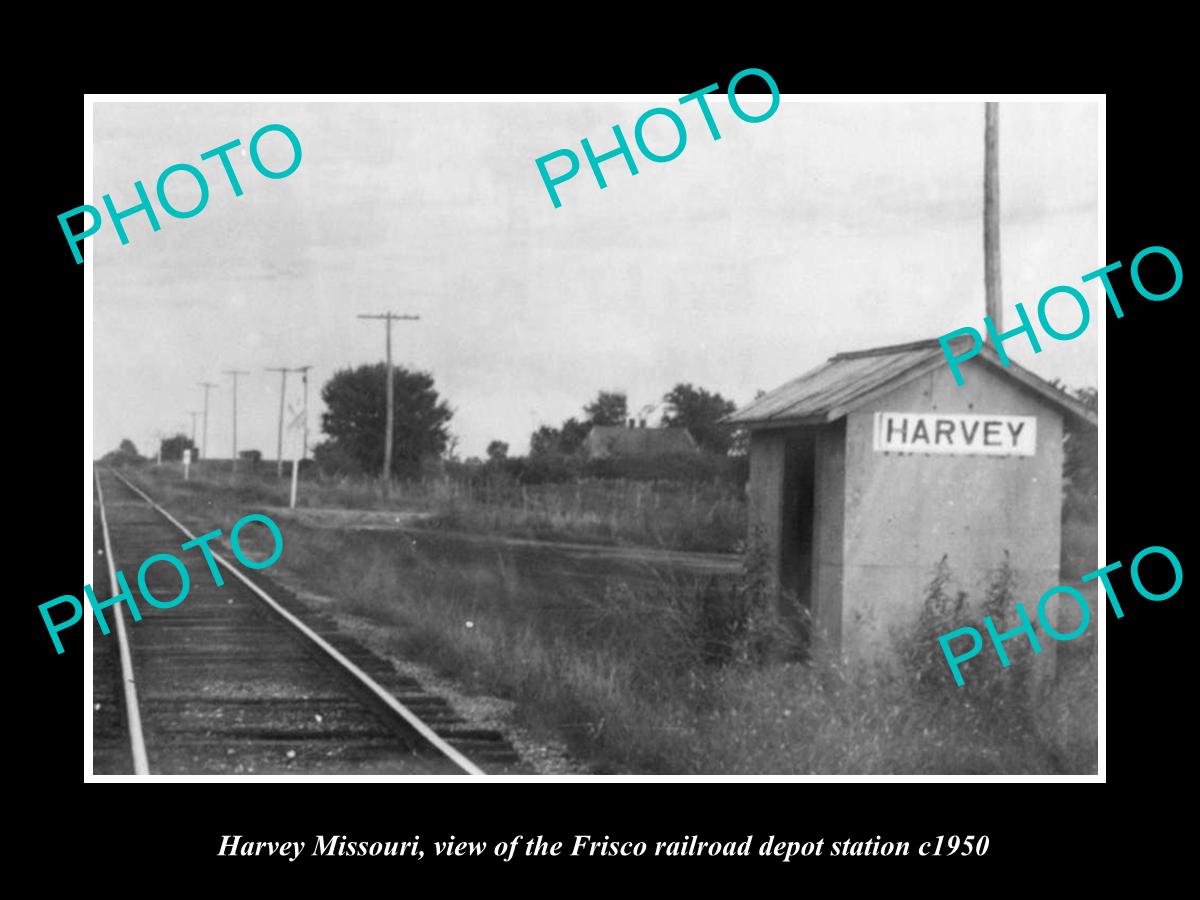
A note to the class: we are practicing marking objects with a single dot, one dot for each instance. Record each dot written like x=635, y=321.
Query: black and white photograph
x=740, y=433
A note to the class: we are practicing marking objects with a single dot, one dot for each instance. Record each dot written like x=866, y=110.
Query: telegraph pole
x=991, y=214
x=388, y=318
x=206, y=385
x=279, y=443
x=303, y=370
x=283, y=371
x=235, y=373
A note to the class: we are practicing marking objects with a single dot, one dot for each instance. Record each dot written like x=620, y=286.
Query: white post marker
x=295, y=478
x=187, y=463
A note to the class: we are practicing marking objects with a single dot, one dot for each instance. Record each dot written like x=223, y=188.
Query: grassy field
x=695, y=517
x=648, y=671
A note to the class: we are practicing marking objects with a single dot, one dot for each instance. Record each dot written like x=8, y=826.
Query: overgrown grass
x=702, y=517
x=654, y=671
x=705, y=516
x=687, y=675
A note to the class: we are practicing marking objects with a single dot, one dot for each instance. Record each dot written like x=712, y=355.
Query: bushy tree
x=126, y=454
x=497, y=451
x=609, y=408
x=1080, y=449
x=573, y=434
x=565, y=441
x=700, y=413
x=173, y=447
x=544, y=441
x=355, y=421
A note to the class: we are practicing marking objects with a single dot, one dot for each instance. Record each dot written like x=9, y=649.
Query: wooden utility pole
x=303, y=370
x=235, y=373
x=283, y=393
x=388, y=318
x=279, y=441
x=991, y=214
x=204, y=447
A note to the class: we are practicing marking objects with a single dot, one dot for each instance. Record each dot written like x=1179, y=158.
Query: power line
x=388, y=318
x=283, y=372
x=235, y=373
x=206, y=385
x=303, y=370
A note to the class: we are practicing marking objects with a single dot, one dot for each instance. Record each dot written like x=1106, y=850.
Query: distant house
x=621, y=442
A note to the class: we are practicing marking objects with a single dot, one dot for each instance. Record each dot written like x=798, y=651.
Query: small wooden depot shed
x=867, y=469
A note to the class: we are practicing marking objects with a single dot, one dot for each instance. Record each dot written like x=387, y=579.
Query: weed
x=659, y=671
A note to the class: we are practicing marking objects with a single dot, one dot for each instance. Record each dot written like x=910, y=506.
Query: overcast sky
x=736, y=266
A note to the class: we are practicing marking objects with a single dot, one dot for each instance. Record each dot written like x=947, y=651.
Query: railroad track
x=243, y=679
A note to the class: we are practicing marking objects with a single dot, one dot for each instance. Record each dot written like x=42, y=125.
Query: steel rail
x=379, y=692
x=133, y=713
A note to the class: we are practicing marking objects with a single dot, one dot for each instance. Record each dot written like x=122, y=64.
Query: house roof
x=848, y=381
x=619, y=440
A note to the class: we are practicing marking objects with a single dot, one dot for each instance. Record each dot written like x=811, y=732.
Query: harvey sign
x=962, y=434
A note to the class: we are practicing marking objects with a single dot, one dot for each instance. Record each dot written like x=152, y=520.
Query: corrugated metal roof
x=848, y=380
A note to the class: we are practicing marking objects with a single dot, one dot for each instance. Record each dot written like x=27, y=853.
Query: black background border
x=1147, y=418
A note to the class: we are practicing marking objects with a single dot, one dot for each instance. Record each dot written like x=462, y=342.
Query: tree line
x=685, y=406
x=355, y=414
x=355, y=417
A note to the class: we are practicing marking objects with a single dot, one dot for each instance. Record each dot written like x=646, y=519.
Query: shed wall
x=904, y=511
x=829, y=532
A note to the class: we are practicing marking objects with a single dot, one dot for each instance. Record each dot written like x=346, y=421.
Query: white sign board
x=960, y=434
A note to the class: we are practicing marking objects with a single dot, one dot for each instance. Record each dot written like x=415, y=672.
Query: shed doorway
x=796, y=534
